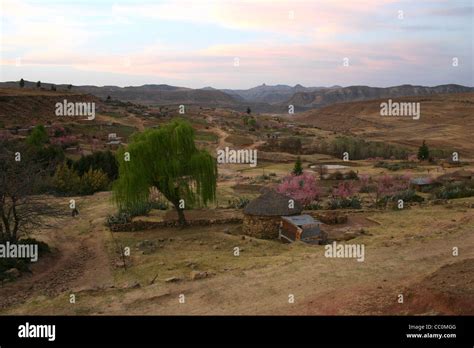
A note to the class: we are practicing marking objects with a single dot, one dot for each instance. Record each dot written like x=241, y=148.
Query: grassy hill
x=446, y=121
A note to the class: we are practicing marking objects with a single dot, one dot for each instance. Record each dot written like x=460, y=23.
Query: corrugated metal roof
x=301, y=220
x=310, y=232
x=421, y=181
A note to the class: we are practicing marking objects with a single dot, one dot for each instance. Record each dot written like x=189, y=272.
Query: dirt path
x=130, y=120
x=222, y=136
x=417, y=266
x=324, y=286
x=80, y=259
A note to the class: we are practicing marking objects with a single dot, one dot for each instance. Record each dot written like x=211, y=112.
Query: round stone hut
x=262, y=216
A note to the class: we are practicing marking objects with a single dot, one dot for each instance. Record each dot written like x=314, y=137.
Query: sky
x=236, y=43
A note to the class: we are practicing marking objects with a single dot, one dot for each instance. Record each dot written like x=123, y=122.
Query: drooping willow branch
x=168, y=160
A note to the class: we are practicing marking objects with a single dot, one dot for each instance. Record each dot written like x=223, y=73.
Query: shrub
x=118, y=219
x=57, y=131
x=239, y=203
x=408, y=196
x=337, y=175
x=262, y=177
x=65, y=141
x=395, y=166
x=368, y=188
x=159, y=205
x=298, y=168
x=361, y=149
x=66, y=180
x=423, y=152
x=50, y=157
x=455, y=190
x=93, y=180
x=143, y=208
x=38, y=137
x=391, y=185
x=313, y=206
x=252, y=122
x=351, y=175
x=341, y=203
x=344, y=190
x=103, y=160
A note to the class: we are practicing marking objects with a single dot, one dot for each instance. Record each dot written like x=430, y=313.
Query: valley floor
x=409, y=252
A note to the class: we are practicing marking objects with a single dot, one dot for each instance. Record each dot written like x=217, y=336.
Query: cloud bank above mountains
x=238, y=44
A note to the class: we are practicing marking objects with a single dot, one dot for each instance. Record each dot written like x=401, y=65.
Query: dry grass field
x=445, y=121
x=408, y=252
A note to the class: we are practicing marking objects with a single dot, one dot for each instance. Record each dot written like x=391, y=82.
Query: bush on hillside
x=455, y=190
x=66, y=180
x=344, y=203
x=103, y=160
x=92, y=181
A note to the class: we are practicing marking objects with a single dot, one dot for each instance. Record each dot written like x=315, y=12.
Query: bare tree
x=21, y=209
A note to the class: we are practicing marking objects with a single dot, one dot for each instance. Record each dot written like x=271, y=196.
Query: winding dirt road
x=79, y=258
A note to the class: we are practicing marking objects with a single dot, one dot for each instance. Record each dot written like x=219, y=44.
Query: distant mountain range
x=262, y=98
x=329, y=96
x=269, y=94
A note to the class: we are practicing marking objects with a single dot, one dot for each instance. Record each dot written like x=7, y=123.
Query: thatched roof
x=272, y=203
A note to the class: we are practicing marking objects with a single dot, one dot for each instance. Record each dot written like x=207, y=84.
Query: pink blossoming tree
x=303, y=188
x=344, y=190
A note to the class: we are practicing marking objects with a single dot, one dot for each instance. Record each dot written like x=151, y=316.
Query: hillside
x=261, y=99
x=20, y=107
x=269, y=94
x=323, y=97
x=446, y=121
x=146, y=94
x=162, y=94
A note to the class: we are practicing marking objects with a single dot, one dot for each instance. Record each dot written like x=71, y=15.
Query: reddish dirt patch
x=50, y=277
x=352, y=228
x=449, y=290
x=78, y=259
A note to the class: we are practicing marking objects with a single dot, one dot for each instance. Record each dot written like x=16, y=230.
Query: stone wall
x=261, y=226
x=139, y=225
x=330, y=217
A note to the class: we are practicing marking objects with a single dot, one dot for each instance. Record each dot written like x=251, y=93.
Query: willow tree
x=167, y=159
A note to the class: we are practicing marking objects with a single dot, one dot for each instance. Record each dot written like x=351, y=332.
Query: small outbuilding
x=300, y=227
x=262, y=216
x=422, y=184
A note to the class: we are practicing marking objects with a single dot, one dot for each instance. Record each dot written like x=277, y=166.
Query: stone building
x=262, y=216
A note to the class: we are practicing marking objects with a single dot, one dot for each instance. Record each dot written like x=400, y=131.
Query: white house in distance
x=113, y=140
